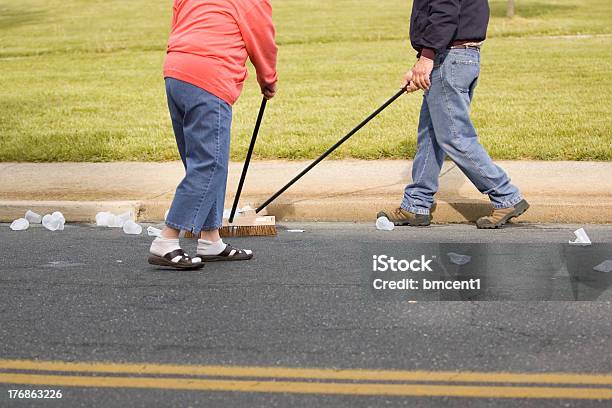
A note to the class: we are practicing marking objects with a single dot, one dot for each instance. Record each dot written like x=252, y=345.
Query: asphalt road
x=87, y=295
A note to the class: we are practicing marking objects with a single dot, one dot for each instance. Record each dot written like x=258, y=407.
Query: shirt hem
x=182, y=76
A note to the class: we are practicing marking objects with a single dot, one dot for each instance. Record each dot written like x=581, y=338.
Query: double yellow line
x=308, y=380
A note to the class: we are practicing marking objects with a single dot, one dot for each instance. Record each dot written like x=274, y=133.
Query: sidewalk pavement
x=347, y=190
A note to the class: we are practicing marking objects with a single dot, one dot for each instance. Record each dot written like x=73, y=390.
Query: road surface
x=82, y=312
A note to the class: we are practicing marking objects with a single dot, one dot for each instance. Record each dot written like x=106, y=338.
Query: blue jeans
x=201, y=124
x=445, y=129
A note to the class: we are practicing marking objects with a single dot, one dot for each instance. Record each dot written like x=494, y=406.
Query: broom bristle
x=244, y=231
x=248, y=231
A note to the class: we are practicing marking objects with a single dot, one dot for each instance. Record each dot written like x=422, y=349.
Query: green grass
x=81, y=81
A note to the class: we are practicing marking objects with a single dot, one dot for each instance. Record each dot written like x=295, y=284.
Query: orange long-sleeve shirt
x=211, y=40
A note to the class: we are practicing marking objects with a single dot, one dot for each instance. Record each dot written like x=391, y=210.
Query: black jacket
x=435, y=24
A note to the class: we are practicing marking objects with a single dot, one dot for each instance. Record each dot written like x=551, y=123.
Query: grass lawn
x=81, y=81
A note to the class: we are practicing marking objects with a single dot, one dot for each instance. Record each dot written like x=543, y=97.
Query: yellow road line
x=310, y=373
x=309, y=387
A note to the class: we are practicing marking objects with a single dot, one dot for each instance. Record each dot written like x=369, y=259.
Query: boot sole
x=409, y=224
x=404, y=223
x=517, y=213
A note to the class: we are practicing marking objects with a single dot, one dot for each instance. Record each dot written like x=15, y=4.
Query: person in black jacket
x=447, y=35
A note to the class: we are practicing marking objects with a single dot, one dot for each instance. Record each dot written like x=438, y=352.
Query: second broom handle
x=331, y=149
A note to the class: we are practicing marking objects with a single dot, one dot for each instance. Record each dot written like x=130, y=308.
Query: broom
x=248, y=222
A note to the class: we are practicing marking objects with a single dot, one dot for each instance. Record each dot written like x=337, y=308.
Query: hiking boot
x=500, y=216
x=399, y=217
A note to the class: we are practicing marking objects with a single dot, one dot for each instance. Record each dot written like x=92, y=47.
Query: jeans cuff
x=177, y=226
x=415, y=210
x=211, y=228
x=507, y=204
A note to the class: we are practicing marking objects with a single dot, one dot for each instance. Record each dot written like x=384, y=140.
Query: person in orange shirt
x=205, y=70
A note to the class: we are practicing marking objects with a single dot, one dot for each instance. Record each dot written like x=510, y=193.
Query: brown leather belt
x=467, y=44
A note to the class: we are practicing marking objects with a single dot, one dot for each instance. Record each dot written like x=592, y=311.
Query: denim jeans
x=201, y=124
x=445, y=129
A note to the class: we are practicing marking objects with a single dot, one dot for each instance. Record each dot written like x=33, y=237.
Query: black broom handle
x=262, y=108
x=331, y=149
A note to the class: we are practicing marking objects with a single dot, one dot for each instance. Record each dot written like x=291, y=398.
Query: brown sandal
x=229, y=254
x=176, y=259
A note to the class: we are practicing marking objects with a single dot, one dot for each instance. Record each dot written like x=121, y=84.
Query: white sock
x=162, y=246
x=210, y=248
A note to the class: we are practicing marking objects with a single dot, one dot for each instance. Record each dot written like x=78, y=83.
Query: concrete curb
x=346, y=209
x=346, y=190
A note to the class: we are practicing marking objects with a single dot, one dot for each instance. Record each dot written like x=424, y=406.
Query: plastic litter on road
x=115, y=222
x=458, y=259
x=54, y=222
x=32, y=217
x=153, y=232
x=132, y=228
x=123, y=218
x=63, y=264
x=240, y=211
x=103, y=218
x=295, y=230
x=108, y=219
x=246, y=208
x=383, y=224
x=605, y=267
x=582, y=239
x=20, y=224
